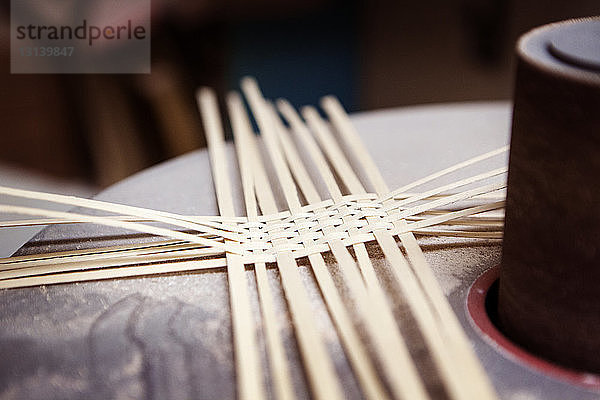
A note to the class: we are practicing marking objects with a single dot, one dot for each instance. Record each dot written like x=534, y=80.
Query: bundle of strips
x=311, y=226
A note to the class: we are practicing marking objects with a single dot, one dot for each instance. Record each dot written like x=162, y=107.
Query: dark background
x=98, y=129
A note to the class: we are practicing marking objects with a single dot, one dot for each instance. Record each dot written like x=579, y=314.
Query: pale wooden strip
x=391, y=348
x=159, y=216
x=410, y=288
x=84, y=252
x=225, y=226
x=453, y=215
x=467, y=194
x=295, y=163
x=163, y=251
x=467, y=378
x=456, y=383
x=249, y=371
x=213, y=130
x=475, y=220
x=50, y=268
x=132, y=226
x=112, y=273
x=450, y=186
x=388, y=342
x=300, y=129
x=441, y=173
x=100, y=253
x=355, y=350
x=461, y=234
x=275, y=351
x=450, y=219
x=217, y=222
x=312, y=148
x=406, y=195
x=358, y=238
x=467, y=221
x=54, y=221
x=333, y=151
x=267, y=130
x=343, y=125
x=319, y=366
x=163, y=246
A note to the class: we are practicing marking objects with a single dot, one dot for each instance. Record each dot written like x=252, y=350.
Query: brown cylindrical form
x=549, y=294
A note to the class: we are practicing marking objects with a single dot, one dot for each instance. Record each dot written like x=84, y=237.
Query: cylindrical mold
x=549, y=293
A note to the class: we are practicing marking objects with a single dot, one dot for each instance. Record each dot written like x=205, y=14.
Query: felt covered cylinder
x=549, y=291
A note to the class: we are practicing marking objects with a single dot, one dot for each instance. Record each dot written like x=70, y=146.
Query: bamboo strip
x=391, y=349
x=355, y=350
x=402, y=272
x=158, y=216
x=217, y=221
x=462, y=234
x=88, y=255
x=319, y=367
x=450, y=186
x=132, y=226
x=51, y=268
x=275, y=352
x=248, y=367
x=467, y=194
x=83, y=252
x=424, y=223
x=330, y=102
x=112, y=273
x=23, y=262
x=441, y=329
x=248, y=364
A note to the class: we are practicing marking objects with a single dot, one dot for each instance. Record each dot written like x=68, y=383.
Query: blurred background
x=97, y=129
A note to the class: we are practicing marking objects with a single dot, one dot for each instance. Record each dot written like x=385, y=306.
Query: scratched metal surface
x=169, y=337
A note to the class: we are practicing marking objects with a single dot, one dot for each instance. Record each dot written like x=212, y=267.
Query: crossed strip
x=266, y=235
x=345, y=220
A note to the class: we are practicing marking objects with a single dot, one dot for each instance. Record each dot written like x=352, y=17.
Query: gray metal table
x=169, y=337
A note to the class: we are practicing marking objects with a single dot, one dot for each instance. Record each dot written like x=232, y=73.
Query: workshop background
x=93, y=130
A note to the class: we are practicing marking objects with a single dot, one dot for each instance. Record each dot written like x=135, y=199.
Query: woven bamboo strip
x=159, y=216
x=132, y=226
x=51, y=268
x=446, y=217
x=465, y=379
x=275, y=352
x=112, y=273
x=319, y=366
x=330, y=103
x=391, y=349
x=356, y=351
x=248, y=368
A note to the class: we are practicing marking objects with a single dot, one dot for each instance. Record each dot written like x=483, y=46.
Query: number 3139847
x=46, y=51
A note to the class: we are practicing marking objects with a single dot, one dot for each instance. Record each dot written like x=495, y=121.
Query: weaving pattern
x=310, y=227
x=347, y=221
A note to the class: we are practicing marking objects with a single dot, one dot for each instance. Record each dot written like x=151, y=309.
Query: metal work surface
x=169, y=337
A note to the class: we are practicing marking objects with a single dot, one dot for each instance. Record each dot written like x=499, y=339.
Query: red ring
x=477, y=311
